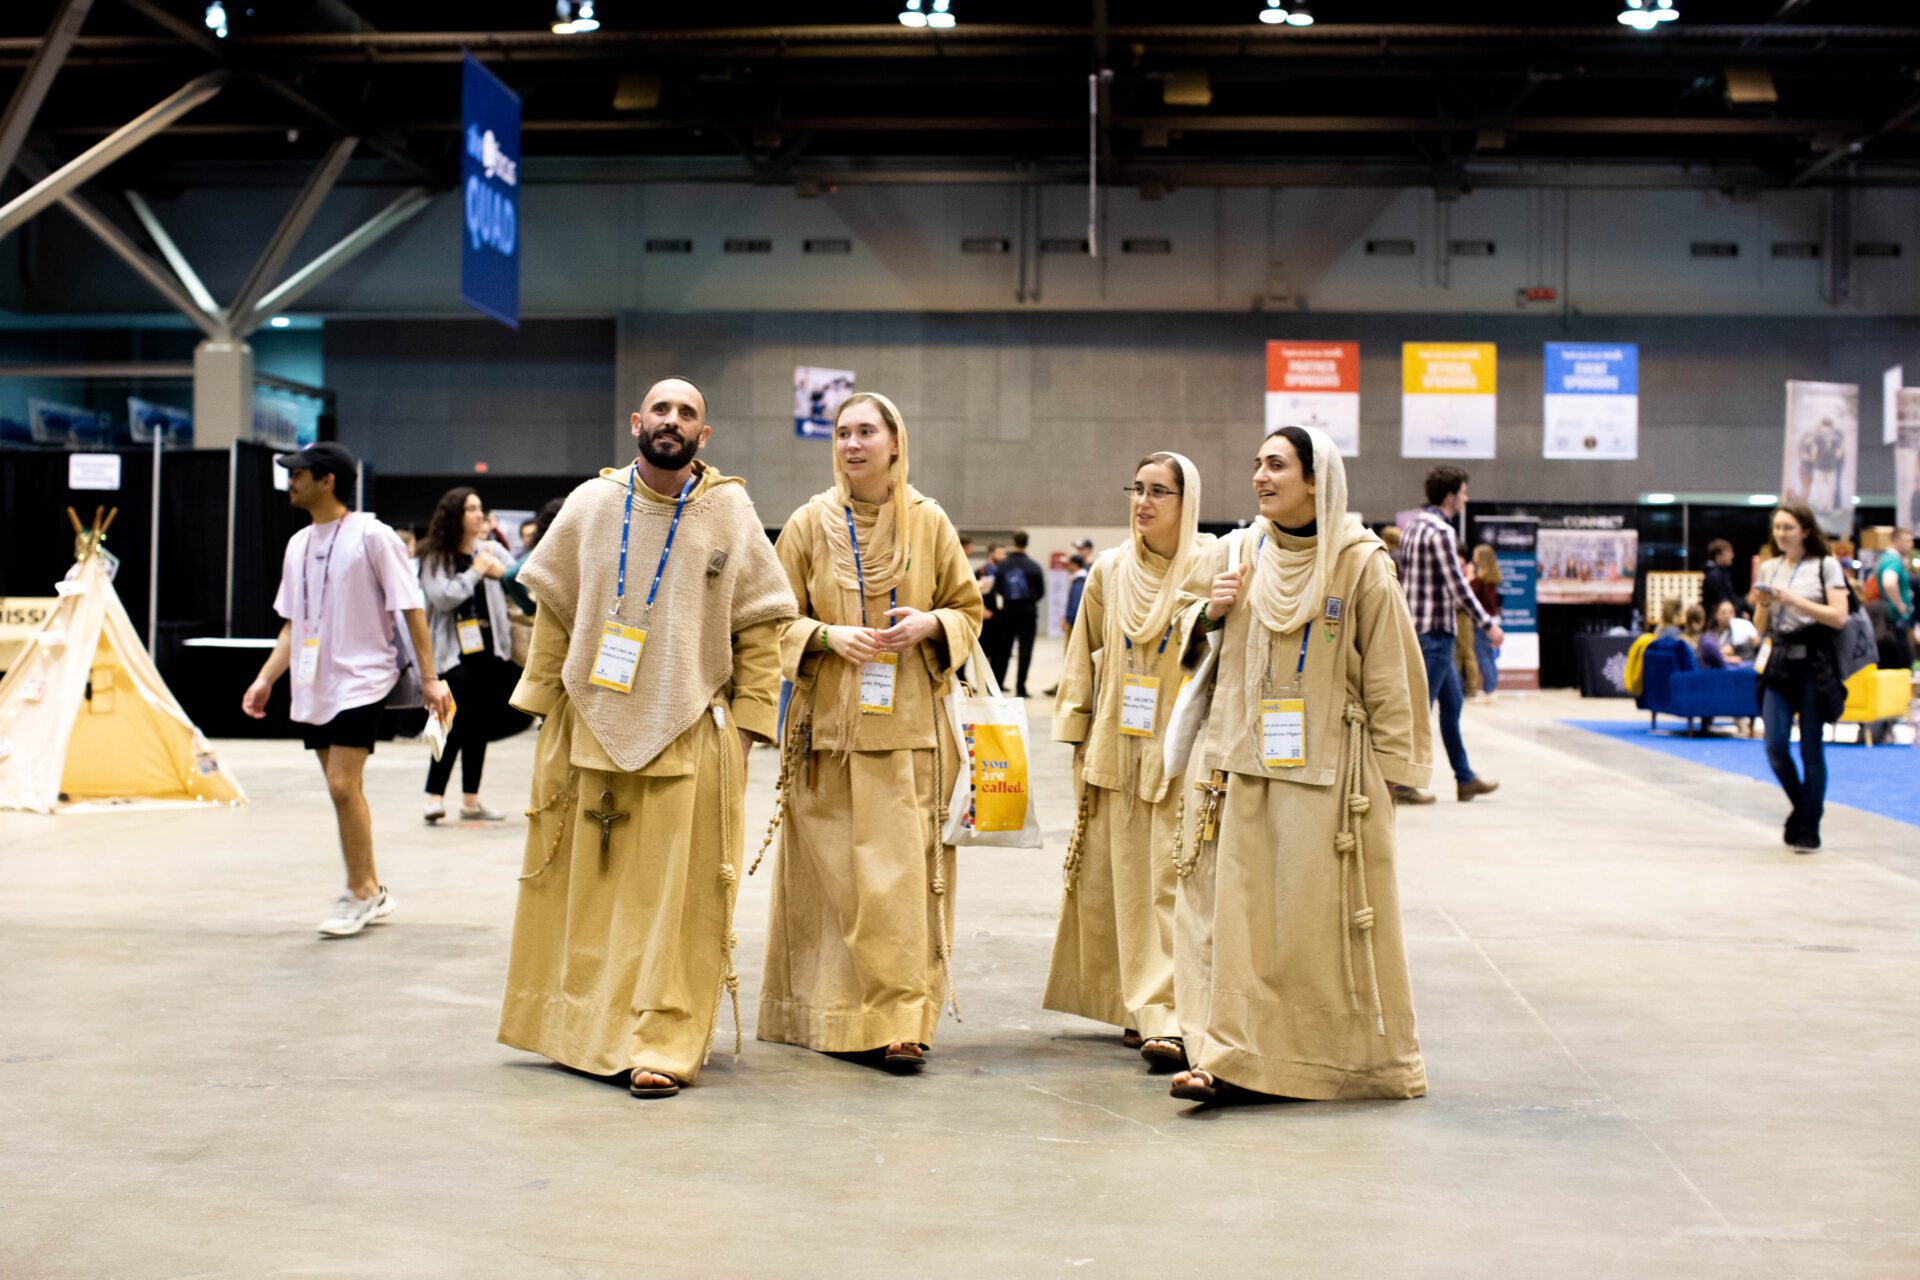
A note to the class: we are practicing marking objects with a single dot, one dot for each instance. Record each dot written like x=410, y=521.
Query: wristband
x=823, y=637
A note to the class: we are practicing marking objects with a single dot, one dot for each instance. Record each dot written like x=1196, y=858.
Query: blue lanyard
x=893, y=593
x=1163, y=640
x=626, y=525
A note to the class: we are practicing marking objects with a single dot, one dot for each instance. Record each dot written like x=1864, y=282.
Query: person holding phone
x=1797, y=591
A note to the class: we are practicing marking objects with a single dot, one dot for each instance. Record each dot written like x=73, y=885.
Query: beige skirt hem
x=790, y=1022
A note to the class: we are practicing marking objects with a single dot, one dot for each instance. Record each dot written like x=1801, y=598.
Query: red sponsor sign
x=1313, y=366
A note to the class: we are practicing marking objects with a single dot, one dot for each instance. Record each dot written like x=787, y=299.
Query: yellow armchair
x=1875, y=693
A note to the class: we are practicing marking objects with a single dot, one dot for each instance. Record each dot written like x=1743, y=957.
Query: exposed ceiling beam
x=189, y=278
x=1900, y=119
x=354, y=243
x=121, y=244
x=109, y=149
x=68, y=17
x=299, y=217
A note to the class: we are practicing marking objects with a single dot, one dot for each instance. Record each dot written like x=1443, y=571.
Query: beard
x=662, y=451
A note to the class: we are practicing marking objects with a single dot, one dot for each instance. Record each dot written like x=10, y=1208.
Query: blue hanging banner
x=1592, y=401
x=490, y=195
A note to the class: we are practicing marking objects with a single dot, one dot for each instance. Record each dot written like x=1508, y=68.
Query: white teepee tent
x=85, y=717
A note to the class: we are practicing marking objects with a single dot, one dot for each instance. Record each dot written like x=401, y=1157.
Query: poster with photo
x=817, y=395
x=1821, y=459
x=1587, y=560
x=1316, y=384
x=1906, y=461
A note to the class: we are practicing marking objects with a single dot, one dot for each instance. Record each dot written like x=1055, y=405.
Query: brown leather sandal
x=1214, y=1090
x=639, y=1090
x=900, y=1059
x=1164, y=1051
x=1131, y=1038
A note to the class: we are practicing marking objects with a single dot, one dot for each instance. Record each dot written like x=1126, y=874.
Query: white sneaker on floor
x=480, y=813
x=350, y=914
x=435, y=810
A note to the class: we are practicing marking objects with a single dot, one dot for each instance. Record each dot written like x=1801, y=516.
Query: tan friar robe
x=862, y=885
x=1113, y=949
x=1290, y=970
x=620, y=960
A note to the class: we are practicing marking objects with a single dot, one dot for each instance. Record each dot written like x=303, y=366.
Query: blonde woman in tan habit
x=860, y=933
x=1289, y=968
x=1113, y=949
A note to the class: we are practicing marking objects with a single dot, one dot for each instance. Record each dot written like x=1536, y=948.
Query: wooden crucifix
x=606, y=815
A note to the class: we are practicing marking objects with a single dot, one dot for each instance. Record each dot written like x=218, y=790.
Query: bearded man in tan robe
x=655, y=662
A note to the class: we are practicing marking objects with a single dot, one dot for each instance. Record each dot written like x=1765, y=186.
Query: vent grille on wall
x=1470, y=248
x=1390, y=248
x=1715, y=249
x=985, y=244
x=1146, y=246
x=749, y=246
x=1876, y=249
x=1796, y=249
x=1063, y=246
x=669, y=246
x=828, y=246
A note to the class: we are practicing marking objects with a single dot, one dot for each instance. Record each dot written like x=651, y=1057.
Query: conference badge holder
x=307, y=664
x=1139, y=701
x=618, y=656
x=1283, y=721
x=877, y=684
x=469, y=629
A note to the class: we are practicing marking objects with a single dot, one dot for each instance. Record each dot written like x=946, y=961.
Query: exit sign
x=1540, y=293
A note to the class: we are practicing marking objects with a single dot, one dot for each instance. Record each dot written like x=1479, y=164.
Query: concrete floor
x=1659, y=1045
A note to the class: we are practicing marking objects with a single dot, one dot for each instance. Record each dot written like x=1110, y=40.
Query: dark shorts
x=354, y=727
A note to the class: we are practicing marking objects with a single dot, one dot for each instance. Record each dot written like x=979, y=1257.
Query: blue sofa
x=1673, y=681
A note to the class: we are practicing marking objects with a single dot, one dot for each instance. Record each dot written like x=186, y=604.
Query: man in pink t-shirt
x=343, y=579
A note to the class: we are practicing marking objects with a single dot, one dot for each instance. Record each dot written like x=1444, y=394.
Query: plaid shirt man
x=1430, y=572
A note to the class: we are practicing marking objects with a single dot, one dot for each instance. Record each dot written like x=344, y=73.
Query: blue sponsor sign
x=1593, y=369
x=489, y=195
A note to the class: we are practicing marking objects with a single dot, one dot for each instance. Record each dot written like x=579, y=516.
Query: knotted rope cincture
x=1187, y=868
x=790, y=753
x=938, y=883
x=1077, y=840
x=730, y=881
x=1353, y=876
x=565, y=792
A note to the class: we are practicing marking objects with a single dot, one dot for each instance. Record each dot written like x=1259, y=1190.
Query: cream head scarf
x=1289, y=583
x=886, y=538
x=1144, y=589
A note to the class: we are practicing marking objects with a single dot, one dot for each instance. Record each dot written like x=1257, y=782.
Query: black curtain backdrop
x=262, y=524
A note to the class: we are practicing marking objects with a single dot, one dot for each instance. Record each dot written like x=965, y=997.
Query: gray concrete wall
x=584, y=252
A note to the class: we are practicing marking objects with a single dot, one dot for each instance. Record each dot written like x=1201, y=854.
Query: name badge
x=618, y=657
x=876, y=684
x=1760, y=658
x=469, y=631
x=1139, y=699
x=308, y=663
x=1283, y=732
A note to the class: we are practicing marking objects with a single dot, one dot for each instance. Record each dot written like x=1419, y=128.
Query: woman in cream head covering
x=859, y=937
x=1290, y=972
x=1113, y=949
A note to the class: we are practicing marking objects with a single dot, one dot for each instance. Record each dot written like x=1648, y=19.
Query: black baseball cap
x=322, y=458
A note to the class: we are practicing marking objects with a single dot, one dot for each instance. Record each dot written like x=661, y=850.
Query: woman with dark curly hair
x=460, y=571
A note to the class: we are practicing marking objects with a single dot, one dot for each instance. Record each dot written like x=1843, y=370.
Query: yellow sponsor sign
x=1447, y=368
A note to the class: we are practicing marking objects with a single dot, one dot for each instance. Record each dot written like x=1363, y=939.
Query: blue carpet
x=1883, y=780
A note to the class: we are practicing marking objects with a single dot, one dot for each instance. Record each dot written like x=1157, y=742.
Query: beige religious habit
x=1290, y=969
x=1131, y=648
x=860, y=932
x=85, y=719
x=623, y=939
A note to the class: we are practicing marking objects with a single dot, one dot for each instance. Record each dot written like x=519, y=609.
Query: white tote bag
x=1189, y=716
x=992, y=802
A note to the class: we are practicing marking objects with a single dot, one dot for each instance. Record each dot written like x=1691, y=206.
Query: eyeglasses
x=1158, y=492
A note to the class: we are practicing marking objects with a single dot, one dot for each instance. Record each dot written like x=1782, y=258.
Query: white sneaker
x=480, y=813
x=435, y=810
x=350, y=914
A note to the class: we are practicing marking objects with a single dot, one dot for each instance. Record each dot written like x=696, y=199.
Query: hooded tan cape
x=622, y=941
x=860, y=930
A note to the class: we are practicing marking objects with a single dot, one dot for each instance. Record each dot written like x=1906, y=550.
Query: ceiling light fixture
x=1274, y=14
x=1300, y=15
x=941, y=18
x=217, y=20
x=574, y=18
x=1645, y=15
x=911, y=15
x=280, y=322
